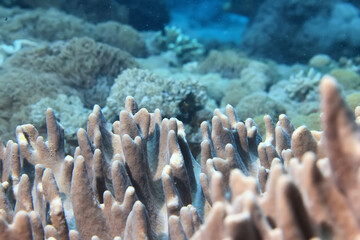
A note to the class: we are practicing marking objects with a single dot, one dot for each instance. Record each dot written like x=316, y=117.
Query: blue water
x=207, y=21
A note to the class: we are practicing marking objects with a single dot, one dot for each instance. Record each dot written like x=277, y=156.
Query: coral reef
x=52, y=25
x=33, y=74
x=255, y=78
x=6, y=50
x=301, y=87
x=228, y=64
x=349, y=79
x=308, y=28
x=83, y=61
x=172, y=39
x=320, y=61
x=259, y=103
x=118, y=35
x=70, y=112
x=140, y=180
x=146, y=159
x=19, y=89
x=175, y=96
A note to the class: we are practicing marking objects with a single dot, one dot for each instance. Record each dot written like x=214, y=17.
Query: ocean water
x=185, y=58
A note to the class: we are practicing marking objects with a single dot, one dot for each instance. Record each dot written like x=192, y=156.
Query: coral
x=69, y=110
x=353, y=99
x=52, y=25
x=303, y=86
x=174, y=95
x=315, y=26
x=312, y=121
x=246, y=77
x=352, y=64
x=83, y=61
x=117, y=181
x=18, y=44
x=340, y=26
x=320, y=61
x=256, y=77
x=302, y=200
x=6, y=50
x=234, y=91
x=216, y=86
x=140, y=180
x=118, y=35
x=298, y=94
x=160, y=60
x=84, y=65
x=259, y=103
x=186, y=49
x=19, y=89
x=349, y=79
x=228, y=64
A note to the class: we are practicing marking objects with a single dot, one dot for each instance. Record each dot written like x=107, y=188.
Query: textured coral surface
x=139, y=180
x=221, y=143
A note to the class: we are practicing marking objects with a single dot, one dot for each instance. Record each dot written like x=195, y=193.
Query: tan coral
x=140, y=179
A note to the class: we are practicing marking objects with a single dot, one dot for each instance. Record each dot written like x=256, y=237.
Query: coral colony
x=140, y=180
x=179, y=119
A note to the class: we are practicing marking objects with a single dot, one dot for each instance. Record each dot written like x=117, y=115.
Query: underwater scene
x=169, y=119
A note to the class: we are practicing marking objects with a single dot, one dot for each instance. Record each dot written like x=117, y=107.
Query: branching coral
x=303, y=85
x=301, y=198
x=114, y=167
x=140, y=181
x=186, y=49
